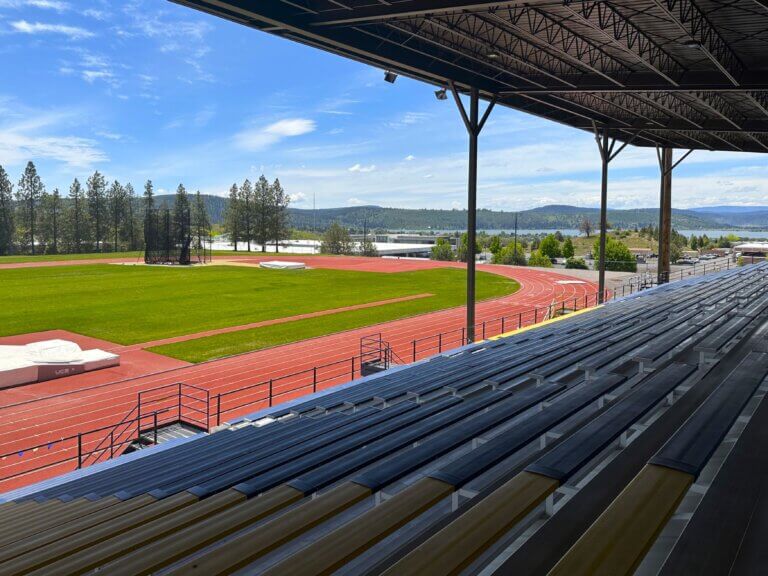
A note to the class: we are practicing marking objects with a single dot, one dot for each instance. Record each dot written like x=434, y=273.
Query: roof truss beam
x=695, y=24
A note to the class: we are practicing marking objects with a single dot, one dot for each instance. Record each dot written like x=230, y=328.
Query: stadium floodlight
x=390, y=76
x=441, y=94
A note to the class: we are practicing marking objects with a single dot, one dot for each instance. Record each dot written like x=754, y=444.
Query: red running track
x=85, y=402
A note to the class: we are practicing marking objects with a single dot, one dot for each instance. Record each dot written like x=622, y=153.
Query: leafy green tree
x=97, y=186
x=233, y=216
x=7, y=223
x=442, y=251
x=694, y=242
x=559, y=236
x=576, y=263
x=336, y=240
x=550, y=247
x=495, y=245
x=28, y=194
x=618, y=258
x=463, y=248
x=540, y=260
x=279, y=219
x=568, y=251
x=511, y=254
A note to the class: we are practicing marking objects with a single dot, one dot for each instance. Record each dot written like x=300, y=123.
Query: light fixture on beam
x=441, y=94
x=692, y=44
x=390, y=76
x=492, y=55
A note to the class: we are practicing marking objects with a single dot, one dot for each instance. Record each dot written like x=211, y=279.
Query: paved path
x=62, y=409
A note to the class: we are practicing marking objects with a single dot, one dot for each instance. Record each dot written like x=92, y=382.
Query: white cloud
x=36, y=135
x=259, y=138
x=355, y=202
x=56, y=5
x=110, y=135
x=72, y=32
x=362, y=169
x=409, y=158
x=298, y=198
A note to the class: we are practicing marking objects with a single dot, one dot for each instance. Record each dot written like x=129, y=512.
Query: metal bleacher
x=609, y=442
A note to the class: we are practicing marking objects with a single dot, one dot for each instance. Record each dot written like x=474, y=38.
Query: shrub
x=618, y=258
x=568, y=251
x=576, y=263
x=442, y=251
x=508, y=255
x=538, y=259
x=550, y=247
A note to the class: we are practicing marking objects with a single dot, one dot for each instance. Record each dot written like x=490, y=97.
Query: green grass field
x=133, y=304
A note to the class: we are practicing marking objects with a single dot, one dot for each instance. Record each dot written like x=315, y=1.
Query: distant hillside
x=552, y=217
x=719, y=210
x=547, y=217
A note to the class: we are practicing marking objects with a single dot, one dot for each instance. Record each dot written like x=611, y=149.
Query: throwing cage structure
x=167, y=241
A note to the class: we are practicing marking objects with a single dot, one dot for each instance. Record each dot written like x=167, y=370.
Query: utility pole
x=514, y=245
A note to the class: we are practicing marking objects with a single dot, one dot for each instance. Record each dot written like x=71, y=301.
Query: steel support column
x=665, y=215
x=474, y=126
x=604, y=156
x=606, y=145
x=474, y=104
x=665, y=211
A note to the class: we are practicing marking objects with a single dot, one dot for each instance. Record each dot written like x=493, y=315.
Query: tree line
x=257, y=214
x=97, y=216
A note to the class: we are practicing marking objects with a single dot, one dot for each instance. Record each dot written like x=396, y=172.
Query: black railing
x=180, y=402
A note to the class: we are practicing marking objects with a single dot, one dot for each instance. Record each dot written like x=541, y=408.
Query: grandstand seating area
x=618, y=440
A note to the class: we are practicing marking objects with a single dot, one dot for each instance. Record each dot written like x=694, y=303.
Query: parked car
x=684, y=261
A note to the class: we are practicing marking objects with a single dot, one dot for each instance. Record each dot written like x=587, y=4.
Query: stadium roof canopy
x=670, y=73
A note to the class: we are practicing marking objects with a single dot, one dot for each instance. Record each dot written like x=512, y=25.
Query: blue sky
x=148, y=89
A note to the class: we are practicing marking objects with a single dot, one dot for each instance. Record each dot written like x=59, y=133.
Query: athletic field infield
x=136, y=304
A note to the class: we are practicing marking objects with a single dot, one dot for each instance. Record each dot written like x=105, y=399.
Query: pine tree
x=97, y=187
x=201, y=224
x=7, y=223
x=28, y=195
x=232, y=218
x=246, y=206
x=263, y=207
x=181, y=216
x=116, y=211
x=279, y=218
x=50, y=212
x=76, y=218
x=130, y=204
x=149, y=197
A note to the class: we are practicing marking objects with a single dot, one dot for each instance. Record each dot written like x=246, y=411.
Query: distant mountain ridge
x=551, y=217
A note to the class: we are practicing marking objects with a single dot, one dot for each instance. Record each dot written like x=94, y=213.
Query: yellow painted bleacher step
x=456, y=546
x=42, y=557
x=619, y=539
x=246, y=548
x=331, y=552
x=159, y=542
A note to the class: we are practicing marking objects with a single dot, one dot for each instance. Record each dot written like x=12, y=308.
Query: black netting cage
x=169, y=238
